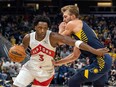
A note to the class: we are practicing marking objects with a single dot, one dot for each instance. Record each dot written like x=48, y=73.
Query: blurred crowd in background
x=13, y=28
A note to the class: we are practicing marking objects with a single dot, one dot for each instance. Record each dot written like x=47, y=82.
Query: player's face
x=66, y=17
x=41, y=28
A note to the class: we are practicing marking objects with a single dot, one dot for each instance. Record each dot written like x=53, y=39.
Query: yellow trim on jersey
x=82, y=36
x=86, y=73
x=78, y=34
x=101, y=63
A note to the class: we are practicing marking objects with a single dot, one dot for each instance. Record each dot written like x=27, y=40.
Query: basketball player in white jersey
x=39, y=69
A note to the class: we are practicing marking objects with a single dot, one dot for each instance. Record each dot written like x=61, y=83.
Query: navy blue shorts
x=96, y=72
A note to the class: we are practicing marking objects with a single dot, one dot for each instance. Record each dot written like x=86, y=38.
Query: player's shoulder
x=55, y=36
x=75, y=22
x=27, y=37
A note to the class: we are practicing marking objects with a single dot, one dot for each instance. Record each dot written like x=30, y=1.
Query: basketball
x=17, y=53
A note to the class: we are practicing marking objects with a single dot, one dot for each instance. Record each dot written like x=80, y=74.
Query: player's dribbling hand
x=62, y=27
x=102, y=51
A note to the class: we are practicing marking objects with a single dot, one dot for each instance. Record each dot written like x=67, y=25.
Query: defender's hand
x=54, y=63
x=62, y=27
x=102, y=51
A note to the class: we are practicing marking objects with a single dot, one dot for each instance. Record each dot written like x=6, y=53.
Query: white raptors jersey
x=42, y=53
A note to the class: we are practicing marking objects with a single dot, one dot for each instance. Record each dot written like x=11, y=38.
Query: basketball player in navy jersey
x=97, y=71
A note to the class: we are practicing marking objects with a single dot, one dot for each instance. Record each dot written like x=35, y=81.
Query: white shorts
x=39, y=79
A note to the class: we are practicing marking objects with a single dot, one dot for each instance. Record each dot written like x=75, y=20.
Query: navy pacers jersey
x=87, y=35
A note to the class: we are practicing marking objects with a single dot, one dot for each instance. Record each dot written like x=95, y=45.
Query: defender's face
x=66, y=17
x=41, y=28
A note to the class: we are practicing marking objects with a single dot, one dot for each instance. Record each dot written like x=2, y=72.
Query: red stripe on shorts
x=44, y=83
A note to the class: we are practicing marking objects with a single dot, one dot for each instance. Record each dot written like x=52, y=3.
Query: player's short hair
x=72, y=9
x=40, y=18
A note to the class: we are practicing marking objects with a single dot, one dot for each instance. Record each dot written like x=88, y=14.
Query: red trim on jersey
x=44, y=83
x=43, y=49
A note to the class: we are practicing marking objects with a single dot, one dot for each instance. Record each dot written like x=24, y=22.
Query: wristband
x=78, y=43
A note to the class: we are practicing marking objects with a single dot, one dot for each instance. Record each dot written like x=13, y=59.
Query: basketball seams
x=21, y=52
x=18, y=55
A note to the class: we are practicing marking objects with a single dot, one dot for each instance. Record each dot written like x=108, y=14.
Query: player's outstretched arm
x=70, y=58
x=98, y=52
x=79, y=44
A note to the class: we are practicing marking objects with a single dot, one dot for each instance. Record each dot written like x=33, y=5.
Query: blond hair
x=72, y=9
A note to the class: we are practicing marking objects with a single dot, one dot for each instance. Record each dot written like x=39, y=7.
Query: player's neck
x=39, y=37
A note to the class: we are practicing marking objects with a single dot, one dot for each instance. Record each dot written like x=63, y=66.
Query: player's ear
x=73, y=16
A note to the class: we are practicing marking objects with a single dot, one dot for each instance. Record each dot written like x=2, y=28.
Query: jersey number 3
x=41, y=57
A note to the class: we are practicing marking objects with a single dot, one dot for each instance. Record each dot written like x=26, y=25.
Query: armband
x=77, y=43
